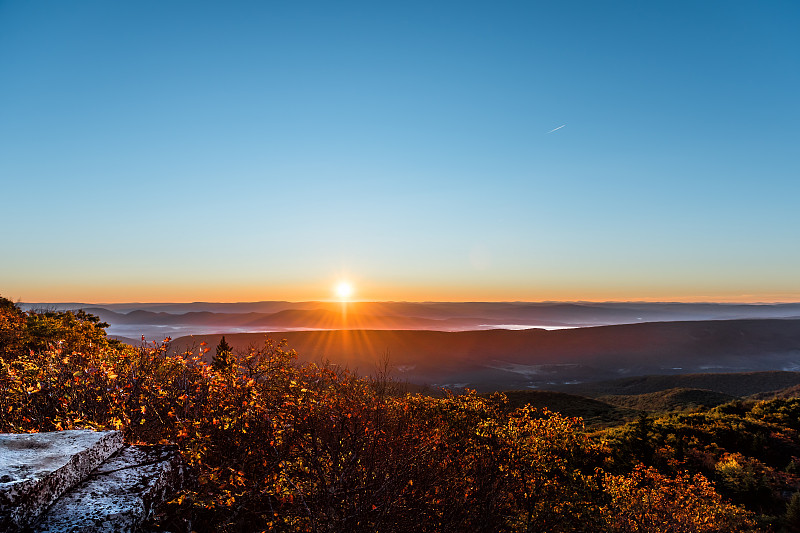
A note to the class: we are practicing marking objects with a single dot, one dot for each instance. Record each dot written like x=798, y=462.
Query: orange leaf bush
x=274, y=445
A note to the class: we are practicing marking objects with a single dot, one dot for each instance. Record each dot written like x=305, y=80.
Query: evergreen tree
x=793, y=513
x=223, y=357
x=639, y=442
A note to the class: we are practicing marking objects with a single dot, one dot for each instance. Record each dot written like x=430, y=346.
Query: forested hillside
x=278, y=445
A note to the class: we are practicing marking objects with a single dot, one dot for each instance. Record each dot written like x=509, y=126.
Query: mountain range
x=158, y=320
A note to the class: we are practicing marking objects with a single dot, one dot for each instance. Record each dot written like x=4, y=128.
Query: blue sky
x=263, y=150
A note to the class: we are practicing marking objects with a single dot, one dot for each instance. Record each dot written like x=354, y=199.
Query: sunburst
x=344, y=290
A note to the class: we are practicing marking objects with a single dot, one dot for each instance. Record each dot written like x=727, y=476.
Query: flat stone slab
x=120, y=495
x=37, y=468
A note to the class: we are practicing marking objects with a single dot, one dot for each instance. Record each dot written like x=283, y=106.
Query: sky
x=423, y=151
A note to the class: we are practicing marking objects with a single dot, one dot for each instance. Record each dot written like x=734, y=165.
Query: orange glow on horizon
x=175, y=293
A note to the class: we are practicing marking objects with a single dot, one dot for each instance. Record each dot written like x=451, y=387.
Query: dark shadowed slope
x=734, y=384
x=503, y=359
x=593, y=412
x=785, y=393
x=670, y=399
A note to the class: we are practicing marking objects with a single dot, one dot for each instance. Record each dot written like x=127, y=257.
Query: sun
x=344, y=290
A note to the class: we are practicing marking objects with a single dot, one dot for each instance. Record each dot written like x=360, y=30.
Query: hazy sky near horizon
x=240, y=151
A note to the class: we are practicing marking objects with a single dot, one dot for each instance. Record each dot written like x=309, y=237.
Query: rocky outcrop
x=89, y=488
x=118, y=496
x=37, y=468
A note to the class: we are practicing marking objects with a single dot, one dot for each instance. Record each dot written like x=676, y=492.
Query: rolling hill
x=507, y=359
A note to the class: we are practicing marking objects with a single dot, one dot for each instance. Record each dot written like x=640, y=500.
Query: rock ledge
x=92, y=480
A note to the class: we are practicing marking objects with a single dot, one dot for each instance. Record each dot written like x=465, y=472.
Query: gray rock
x=119, y=495
x=37, y=468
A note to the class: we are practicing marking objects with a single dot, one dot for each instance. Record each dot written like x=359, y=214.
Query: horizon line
x=339, y=301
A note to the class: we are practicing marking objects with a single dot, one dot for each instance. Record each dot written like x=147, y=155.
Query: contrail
x=558, y=128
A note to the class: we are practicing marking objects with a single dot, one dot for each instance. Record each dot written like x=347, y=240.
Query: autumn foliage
x=275, y=445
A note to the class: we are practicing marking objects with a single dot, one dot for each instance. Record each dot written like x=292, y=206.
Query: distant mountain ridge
x=157, y=320
x=287, y=318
